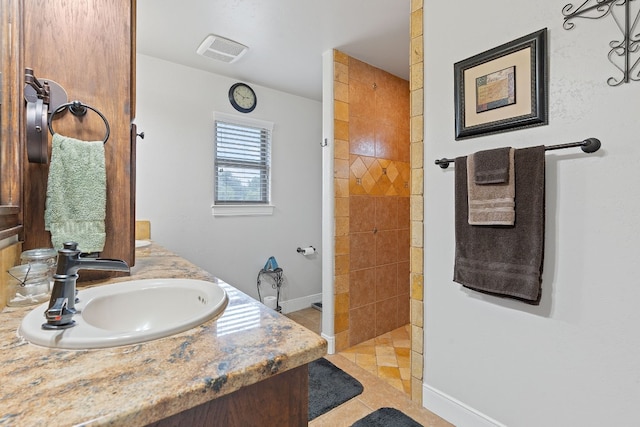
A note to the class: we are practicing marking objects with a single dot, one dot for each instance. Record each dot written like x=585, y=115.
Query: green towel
x=76, y=194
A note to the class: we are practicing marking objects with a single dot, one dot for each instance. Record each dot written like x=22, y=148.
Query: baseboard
x=453, y=410
x=331, y=343
x=305, y=302
x=299, y=303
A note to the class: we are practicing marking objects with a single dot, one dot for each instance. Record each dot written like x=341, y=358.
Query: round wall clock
x=242, y=98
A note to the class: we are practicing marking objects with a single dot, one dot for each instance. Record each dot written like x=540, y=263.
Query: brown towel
x=504, y=261
x=491, y=166
x=491, y=204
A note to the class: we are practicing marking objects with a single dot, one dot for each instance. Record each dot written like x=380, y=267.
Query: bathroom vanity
x=247, y=367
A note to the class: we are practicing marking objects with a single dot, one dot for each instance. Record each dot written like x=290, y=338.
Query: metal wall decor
x=625, y=53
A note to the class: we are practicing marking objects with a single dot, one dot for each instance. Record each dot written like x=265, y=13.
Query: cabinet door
x=88, y=48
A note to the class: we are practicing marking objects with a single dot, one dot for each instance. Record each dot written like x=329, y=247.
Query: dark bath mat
x=385, y=417
x=329, y=387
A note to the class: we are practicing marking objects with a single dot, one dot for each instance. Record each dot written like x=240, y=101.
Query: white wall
x=573, y=360
x=175, y=106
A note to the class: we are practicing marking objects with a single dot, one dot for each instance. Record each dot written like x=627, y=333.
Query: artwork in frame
x=502, y=89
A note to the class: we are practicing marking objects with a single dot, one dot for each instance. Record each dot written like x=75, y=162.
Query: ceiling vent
x=222, y=49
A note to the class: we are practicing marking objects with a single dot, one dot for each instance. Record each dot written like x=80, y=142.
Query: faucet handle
x=59, y=316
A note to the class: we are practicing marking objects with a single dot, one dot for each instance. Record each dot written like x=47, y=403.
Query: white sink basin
x=129, y=313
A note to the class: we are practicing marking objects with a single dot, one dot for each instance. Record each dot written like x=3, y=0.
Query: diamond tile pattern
x=378, y=177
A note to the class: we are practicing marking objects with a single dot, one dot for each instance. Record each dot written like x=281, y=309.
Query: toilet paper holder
x=309, y=250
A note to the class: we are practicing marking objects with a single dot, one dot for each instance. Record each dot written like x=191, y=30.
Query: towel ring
x=77, y=108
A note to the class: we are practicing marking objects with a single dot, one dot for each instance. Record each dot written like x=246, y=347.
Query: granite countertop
x=139, y=384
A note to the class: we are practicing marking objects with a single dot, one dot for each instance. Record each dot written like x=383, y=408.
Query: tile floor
x=382, y=366
x=386, y=356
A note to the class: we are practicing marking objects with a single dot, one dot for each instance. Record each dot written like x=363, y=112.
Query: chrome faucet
x=63, y=296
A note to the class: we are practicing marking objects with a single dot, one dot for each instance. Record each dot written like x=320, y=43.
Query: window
x=242, y=164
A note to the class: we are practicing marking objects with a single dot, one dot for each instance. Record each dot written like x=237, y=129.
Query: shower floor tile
x=386, y=356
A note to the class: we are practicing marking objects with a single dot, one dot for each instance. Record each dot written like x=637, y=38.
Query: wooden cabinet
x=88, y=48
x=282, y=400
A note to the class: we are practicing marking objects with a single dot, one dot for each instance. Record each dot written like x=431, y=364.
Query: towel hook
x=77, y=108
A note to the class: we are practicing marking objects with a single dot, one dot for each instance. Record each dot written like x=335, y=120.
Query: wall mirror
x=11, y=108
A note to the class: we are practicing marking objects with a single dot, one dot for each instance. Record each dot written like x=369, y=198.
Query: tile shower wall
x=372, y=182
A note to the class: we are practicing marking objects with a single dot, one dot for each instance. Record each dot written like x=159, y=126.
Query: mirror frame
x=11, y=118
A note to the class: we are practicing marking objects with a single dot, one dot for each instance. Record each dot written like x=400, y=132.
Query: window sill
x=242, y=210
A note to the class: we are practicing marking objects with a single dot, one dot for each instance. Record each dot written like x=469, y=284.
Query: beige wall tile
x=341, y=169
x=341, y=150
x=417, y=76
x=416, y=23
x=417, y=182
x=340, y=72
x=417, y=155
x=417, y=200
x=341, y=322
x=417, y=340
x=417, y=102
x=341, y=187
x=417, y=207
x=417, y=50
x=342, y=340
x=416, y=365
x=342, y=245
x=143, y=230
x=417, y=308
x=341, y=130
x=341, y=303
x=341, y=207
x=340, y=57
x=417, y=287
x=340, y=91
x=416, y=390
x=341, y=284
x=417, y=128
x=341, y=265
x=341, y=111
x=342, y=225
x=417, y=234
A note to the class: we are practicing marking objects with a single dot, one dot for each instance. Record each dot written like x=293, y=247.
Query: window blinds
x=242, y=163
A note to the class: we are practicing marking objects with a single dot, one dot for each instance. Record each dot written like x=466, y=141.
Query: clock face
x=242, y=98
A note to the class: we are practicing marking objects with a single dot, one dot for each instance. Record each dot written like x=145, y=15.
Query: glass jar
x=48, y=256
x=28, y=284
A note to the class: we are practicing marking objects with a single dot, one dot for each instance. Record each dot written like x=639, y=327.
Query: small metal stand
x=276, y=277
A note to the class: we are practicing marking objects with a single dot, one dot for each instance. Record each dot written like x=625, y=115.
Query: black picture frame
x=529, y=56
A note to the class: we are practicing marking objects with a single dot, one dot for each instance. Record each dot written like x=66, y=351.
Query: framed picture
x=502, y=89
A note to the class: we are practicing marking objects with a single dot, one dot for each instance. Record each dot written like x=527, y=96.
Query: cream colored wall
x=573, y=359
x=177, y=200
